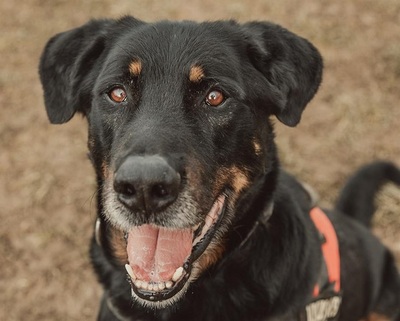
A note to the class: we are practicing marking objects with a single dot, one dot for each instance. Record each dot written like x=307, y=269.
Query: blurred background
x=47, y=187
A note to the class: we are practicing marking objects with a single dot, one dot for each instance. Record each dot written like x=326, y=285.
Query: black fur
x=262, y=70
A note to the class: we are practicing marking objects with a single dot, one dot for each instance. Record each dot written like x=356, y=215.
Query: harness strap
x=330, y=248
x=263, y=220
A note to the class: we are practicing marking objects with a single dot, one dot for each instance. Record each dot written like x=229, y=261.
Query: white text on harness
x=323, y=310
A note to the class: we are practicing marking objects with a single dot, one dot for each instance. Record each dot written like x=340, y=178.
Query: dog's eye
x=117, y=94
x=215, y=98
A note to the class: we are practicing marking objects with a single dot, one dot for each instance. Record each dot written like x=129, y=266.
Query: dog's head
x=178, y=131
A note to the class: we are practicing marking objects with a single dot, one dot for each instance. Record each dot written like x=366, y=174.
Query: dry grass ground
x=47, y=185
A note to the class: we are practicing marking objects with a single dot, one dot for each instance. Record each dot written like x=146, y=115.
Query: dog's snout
x=146, y=183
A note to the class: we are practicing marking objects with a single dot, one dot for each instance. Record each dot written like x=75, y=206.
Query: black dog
x=192, y=201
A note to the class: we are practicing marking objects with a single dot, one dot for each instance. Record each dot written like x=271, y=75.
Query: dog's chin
x=159, y=279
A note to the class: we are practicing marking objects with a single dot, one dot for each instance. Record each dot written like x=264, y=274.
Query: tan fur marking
x=196, y=74
x=118, y=245
x=257, y=147
x=195, y=172
x=235, y=176
x=240, y=180
x=135, y=68
x=376, y=317
x=222, y=178
x=105, y=170
x=211, y=256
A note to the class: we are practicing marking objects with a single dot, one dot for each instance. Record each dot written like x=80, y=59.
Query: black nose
x=146, y=183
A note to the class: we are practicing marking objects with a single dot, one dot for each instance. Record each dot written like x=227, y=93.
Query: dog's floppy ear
x=291, y=68
x=66, y=67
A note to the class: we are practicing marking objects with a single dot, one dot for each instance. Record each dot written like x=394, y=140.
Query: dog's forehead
x=193, y=48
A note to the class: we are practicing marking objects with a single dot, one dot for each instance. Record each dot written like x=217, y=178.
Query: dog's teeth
x=130, y=271
x=178, y=273
x=149, y=286
x=145, y=285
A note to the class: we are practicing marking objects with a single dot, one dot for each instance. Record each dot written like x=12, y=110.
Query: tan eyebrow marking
x=257, y=147
x=135, y=67
x=196, y=73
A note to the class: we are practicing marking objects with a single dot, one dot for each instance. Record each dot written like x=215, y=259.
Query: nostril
x=128, y=190
x=125, y=189
x=159, y=191
x=128, y=195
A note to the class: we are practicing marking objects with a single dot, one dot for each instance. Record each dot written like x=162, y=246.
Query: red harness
x=330, y=249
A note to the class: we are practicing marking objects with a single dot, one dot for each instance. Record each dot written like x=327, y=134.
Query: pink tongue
x=155, y=253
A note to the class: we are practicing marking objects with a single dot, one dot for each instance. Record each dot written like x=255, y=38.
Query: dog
x=196, y=218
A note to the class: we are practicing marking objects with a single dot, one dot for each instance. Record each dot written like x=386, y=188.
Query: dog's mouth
x=161, y=259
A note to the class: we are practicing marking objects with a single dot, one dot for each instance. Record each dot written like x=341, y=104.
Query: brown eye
x=117, y=94
x=215, y=98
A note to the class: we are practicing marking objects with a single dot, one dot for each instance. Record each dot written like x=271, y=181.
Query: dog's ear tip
x=59, y=121
x=57, y=118
x=288, y=120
